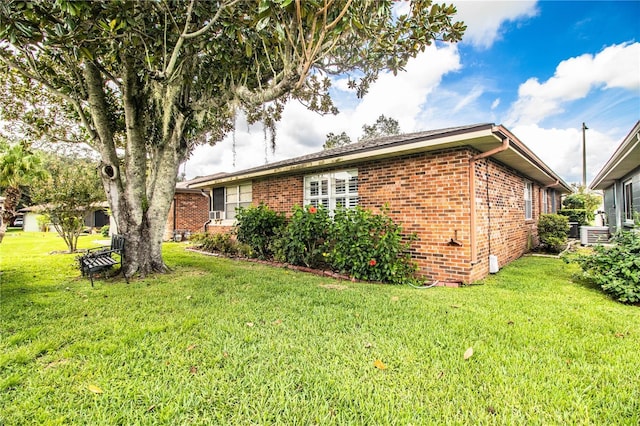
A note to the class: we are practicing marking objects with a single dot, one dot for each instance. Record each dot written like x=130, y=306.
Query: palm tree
x=18, y=167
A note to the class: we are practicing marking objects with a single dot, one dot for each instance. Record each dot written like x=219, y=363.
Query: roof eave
x=623, y=161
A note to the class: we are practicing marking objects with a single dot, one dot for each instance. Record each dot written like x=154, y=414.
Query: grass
x=229, y=342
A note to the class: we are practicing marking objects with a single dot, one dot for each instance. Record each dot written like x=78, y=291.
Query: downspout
x=210, y=198
x=175, y=220
x=472, y=193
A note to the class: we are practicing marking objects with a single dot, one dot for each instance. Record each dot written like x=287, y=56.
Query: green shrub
x=583, y=200
x=370, y=247
x=43, y=221
x=615, y=269
x=575, y=215
x=302, y=240
x=104, y=231
x=553, y=231
x=258, y=226
x=220, y=243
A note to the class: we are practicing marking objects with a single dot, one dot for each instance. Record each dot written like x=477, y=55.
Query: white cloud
x=475, y=93
x=495, y=103
x=485, y=18
x=561, y=149
x=616, y=66
x=301, y=131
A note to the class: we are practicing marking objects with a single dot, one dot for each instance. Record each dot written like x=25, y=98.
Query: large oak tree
x=147, y=81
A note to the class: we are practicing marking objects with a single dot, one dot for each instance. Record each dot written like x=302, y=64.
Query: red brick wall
x=280, y=193
x=502, y=229
x=428, y=193
x=191, y=213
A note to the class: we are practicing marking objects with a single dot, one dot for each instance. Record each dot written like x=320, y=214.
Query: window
x=554, y=209
x=332, y=190
x=627, y=201
x=545, y=201
x=528, y=200
x=229, y=198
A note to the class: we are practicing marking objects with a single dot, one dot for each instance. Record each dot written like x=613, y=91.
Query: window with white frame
x=627, y=201
x=545, y=201
x=236, y=196
x=332, y=190
x=528, y=200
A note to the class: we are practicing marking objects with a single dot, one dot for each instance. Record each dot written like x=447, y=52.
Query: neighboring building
x=189, y=212
x=466, y=192
x=619, y=179
x=95, y=218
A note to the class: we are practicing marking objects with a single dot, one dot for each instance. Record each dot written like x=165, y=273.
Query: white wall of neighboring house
x=31, y=222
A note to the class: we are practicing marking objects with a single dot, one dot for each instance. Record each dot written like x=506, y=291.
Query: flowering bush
x=303, y=239
x=370, y=247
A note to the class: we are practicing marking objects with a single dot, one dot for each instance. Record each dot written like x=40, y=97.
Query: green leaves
x=615, y=269
x=258, y=226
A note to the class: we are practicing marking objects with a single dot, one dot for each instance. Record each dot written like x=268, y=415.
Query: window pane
x=353, y=185
x=341, y=202
x=314, y=189
x=628, y=201
x=528, y=205
x=325, y=187
x=325, y=203
x=340, y=186
x=232, y=194
x=230, y=211
x=218, y=199
x=245, y=197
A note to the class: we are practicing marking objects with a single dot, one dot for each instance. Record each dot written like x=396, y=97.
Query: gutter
x=472, y=192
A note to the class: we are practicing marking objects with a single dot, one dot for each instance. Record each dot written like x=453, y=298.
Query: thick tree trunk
x=139, y=190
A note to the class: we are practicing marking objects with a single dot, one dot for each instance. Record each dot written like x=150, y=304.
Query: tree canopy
x=148, y=81
x=72, y=190
x=334, y=141
x=382, y=127
x=19, y=167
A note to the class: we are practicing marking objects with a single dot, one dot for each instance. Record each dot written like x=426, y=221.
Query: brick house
x=427, y=179
x=619, y=180
x=189, y=212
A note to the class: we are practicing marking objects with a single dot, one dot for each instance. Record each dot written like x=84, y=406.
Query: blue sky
x=539, y=68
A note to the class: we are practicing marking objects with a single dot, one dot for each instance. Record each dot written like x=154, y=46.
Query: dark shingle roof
x=361, y=146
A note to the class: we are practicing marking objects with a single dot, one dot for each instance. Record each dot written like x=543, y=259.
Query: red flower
x=312, y=210
x=372, y=262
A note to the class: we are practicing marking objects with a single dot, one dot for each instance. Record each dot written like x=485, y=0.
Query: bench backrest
x=117, y=243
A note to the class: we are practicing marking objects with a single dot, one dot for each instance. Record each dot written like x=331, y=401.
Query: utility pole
x=584, y=156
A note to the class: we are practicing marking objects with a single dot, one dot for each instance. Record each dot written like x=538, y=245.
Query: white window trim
x=528, y=200
x=331, y=197
x=237, y=203
x=626, y=208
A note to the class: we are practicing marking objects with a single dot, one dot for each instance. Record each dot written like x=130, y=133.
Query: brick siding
x=191, y=213
x=428, y=193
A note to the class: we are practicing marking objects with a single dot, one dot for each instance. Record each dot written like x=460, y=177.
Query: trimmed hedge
x=575, y=215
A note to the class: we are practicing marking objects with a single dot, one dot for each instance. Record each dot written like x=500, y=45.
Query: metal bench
x=102, y=258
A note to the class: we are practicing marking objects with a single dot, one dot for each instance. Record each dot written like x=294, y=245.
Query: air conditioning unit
x=216, y=215
x=593, y=235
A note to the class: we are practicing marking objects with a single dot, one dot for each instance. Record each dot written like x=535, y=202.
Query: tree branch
x=186, y=35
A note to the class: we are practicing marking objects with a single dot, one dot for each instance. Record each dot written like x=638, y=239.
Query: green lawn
x=229, y=342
